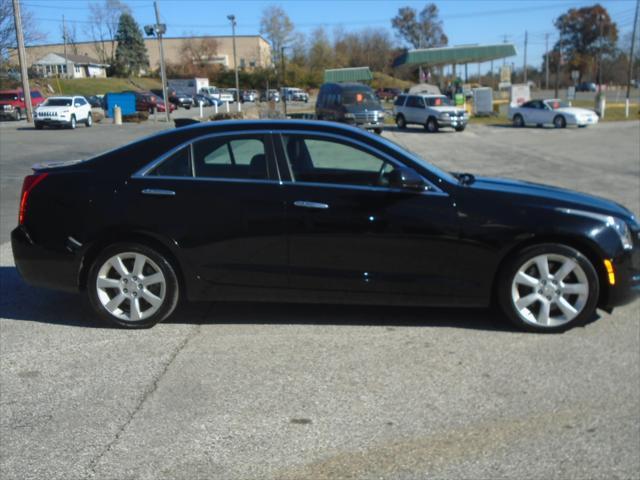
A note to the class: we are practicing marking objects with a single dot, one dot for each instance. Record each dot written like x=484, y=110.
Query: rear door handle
x=158, y=192
x=316, y=205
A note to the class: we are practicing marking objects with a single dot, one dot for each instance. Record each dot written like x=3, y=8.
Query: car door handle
x=158, y=192
x=316, y=205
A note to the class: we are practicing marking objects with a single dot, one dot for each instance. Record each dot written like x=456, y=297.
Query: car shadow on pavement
x=19, y=301
x=418, y=129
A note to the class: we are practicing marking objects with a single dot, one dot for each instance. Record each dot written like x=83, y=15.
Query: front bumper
x=53, y=120
x=454, y=122
x=627, y=277
x=43, y=267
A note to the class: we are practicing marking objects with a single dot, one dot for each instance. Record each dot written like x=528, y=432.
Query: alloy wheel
x=549, y=290
x=131, y=286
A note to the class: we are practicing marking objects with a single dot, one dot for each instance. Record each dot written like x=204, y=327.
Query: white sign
x=571, y=93
x=520, y=93
x=482, y=101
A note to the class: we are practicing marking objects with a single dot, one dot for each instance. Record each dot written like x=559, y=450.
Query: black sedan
x=307, y=211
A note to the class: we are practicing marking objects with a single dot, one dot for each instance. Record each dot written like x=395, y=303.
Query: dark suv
x=351, y=103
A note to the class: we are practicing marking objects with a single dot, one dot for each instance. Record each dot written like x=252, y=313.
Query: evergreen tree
x=131, y=53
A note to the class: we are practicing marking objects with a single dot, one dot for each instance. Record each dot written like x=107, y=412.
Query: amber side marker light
x=610, y=272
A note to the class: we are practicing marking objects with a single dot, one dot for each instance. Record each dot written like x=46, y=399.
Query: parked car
x=313, y=212
x=206, y=100
x=551, y=112
x=233, y=92
x=160, y=105
x=431, y=111
x=12, y=104
x=178, y=99
x=250, y=96
x=292, y=94
x=214, y=92
x=351, y=103
x=388, y=94
x=270, y=95
x=586, y=87
x=63, y=111
x=149, y=102
x=96, y=101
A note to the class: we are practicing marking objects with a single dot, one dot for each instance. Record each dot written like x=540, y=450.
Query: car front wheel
x=132, y=286
x=548, y=288
x=401, y=123
x=73, y=123
x=432, y=125
x=518, y=121
x=89, y=121
x=559, y=122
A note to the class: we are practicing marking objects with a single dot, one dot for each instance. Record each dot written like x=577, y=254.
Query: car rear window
x=400, y=100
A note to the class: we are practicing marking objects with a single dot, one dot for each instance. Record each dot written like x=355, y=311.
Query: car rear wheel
x=548, y=288
x=89, y=121
x=518, y=121
x=432, y=125
x=132, y=286
x=401, y=122
x=559, y=122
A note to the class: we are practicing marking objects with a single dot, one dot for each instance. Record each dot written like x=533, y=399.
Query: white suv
x=430, y=111
x=67, y=111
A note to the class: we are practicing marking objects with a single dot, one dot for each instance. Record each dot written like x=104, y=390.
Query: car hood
x=575, y=111
x=554, y=197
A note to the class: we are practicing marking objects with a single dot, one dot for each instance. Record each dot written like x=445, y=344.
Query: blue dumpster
x=126, y=101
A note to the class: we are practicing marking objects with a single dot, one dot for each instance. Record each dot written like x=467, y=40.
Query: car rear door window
x=225, y=157
x=400, y=100
x=415, y=102
x=177, y=164
x=328, y=160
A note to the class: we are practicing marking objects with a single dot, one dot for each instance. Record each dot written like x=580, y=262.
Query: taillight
x=30, y=182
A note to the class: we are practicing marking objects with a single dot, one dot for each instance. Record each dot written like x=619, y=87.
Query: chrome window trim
x=213, y=179
x=433, y=189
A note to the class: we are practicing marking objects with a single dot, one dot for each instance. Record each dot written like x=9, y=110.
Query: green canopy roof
x=356, y=74
x=456, y=55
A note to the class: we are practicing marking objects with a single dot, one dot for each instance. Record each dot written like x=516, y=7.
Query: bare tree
x=199, y=52
x=70, y=31
x=8, y=31
x=420, y=30
x=276, y=25
x=103, y=26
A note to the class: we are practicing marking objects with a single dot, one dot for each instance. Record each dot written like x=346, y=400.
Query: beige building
x=253, y=51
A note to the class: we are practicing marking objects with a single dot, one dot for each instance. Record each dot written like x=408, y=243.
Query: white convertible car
x=551, y=112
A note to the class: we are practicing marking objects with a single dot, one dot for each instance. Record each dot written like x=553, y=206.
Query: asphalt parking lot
x=244, y=391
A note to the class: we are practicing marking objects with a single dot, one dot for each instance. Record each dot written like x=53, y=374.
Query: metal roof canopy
x=456, y=55
x=341, y=75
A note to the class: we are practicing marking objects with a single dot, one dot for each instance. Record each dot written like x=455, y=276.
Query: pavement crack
x=153, y=386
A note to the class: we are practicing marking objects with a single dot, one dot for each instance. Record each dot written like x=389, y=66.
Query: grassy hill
x=86, y=86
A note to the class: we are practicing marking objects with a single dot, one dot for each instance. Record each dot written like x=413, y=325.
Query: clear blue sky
x=465, y=21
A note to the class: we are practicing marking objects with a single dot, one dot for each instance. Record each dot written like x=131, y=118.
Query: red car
x=149, y=102
x=12, y=103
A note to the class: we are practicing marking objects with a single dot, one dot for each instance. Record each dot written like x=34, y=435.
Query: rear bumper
x=42, y=267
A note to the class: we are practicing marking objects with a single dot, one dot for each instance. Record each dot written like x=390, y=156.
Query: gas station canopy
x=456, y=55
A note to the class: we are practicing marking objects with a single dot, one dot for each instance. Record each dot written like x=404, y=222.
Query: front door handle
x=316, y=205
x=158, y=192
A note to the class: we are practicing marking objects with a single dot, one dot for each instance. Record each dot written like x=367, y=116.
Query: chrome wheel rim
x=131, y=286
x=549, y=290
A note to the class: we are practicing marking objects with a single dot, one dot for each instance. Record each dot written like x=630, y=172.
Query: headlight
x=617, y=224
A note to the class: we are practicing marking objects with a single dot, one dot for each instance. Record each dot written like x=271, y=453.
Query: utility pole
x=284, y=79
x=232, y=19
x=633, y=40
x=546, y=61
x=601, y=22
x=526, y=38
x=559, y=60
x=160, y=29
x=504, y=60
x=22, y=56
x=64, y=39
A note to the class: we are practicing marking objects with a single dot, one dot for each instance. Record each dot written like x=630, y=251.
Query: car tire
x=378, y=131
x=89, y=121
x=38, y=125
x=518, y=121
x=548, y=288
x=460, y=129
x=122, y=266
x=17, y=115
x=73, y=123
x=401, y=123
x=432, y=125
x=559, y=122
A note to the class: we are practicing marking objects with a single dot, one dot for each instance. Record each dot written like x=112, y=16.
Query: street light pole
x=633, y=42
x=160, y=29
x=232, y=19
x=284, y=80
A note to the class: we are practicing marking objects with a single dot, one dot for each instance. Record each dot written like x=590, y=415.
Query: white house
x=80, y=66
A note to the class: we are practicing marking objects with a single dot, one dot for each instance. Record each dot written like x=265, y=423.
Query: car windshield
x=58, y=102
x=352, y=97
x=417, y=158
x=555, y=104
x=8, y=96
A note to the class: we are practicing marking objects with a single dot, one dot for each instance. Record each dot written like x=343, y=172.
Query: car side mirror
x=407, y=179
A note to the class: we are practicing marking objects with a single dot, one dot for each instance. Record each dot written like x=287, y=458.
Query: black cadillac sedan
x=307, y=211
